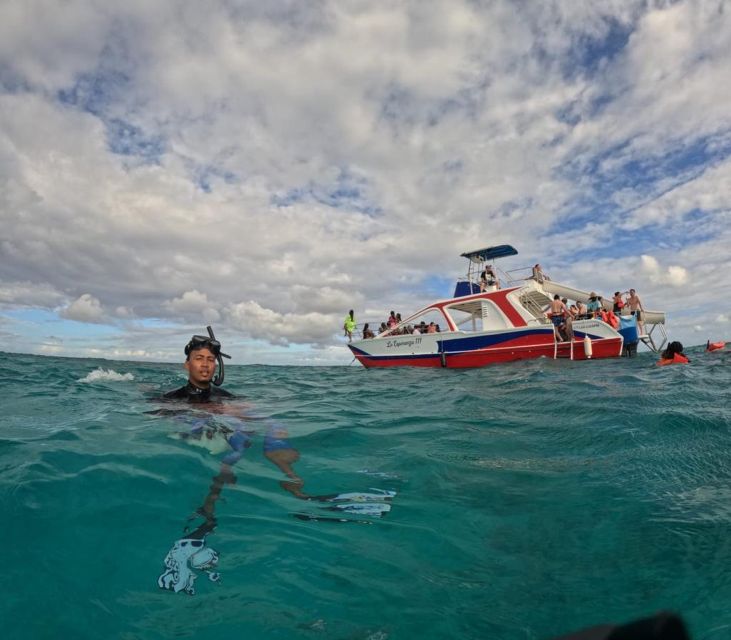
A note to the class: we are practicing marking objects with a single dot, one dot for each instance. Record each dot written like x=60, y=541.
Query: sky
x=264, y=167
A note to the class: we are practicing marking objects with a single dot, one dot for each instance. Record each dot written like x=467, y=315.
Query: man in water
x=201, y=354
x=220, y=418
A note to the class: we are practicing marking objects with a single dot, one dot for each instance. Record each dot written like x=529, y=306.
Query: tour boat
x=500, y=322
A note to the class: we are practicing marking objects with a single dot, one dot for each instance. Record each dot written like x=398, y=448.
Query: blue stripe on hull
x=477, y=343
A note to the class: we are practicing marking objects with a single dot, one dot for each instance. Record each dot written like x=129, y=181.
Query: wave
x=106, y=374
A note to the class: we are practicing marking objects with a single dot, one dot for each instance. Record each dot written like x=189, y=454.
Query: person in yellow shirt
x=349, y=325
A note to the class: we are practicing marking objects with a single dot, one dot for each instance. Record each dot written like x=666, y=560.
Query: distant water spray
x=106, y=374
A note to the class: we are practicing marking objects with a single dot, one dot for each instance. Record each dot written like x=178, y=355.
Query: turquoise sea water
x=533, y=499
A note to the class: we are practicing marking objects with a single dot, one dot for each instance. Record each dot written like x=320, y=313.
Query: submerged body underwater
x=523, y=500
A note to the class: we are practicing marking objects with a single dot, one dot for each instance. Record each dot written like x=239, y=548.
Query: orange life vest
x=676, y=359
x=715, y=346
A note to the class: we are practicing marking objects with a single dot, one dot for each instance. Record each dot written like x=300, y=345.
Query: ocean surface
x=532, y=499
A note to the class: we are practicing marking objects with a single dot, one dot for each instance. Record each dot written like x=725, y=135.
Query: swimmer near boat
x=715, y=346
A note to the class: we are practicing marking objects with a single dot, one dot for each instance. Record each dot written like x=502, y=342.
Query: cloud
x=86, y=308
x=281, y=328
x=29, y=294
x=268, y=166
x=193, y=304
x=673, y=275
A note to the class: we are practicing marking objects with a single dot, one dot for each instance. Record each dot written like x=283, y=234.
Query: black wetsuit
x=194, y=394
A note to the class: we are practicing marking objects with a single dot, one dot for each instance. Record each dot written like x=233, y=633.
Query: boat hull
x=457, y=350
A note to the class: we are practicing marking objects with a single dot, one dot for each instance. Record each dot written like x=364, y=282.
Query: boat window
x=427, y=317
x=477, y=315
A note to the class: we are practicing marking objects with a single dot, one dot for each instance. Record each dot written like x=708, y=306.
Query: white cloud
x=86, y=308
x=282, y=328
x=267, y=167
x=673, y=275
x=192, y=304
x=29, y=294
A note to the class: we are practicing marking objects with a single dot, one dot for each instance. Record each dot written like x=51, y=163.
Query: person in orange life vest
x=715, y=346
x=612, y=319
x=618, y=303
x=673, y=355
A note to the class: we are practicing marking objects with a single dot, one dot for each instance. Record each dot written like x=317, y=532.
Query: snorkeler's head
x=209, y=342
x=202, y=342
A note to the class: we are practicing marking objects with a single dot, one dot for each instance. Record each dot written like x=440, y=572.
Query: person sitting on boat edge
x=673, y=355
x=367, y=333
x=489, y=279
x=538, y=274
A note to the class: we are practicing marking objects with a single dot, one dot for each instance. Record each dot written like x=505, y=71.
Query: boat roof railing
x=490, y=253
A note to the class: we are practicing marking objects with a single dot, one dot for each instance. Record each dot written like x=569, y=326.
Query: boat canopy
x=489, y=253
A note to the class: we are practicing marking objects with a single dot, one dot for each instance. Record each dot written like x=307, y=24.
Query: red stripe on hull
x=605, y=348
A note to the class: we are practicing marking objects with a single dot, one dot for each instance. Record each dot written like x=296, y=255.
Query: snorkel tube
x=218, y=380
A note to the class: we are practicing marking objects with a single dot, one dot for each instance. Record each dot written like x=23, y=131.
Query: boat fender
x=587, y=346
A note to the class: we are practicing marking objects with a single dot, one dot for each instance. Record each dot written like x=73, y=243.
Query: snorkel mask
x=209, y=342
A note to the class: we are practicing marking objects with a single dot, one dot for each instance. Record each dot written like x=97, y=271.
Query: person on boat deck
x=593, y=305
x=383, y=327
x=558, y=314
x=349, y=325
x=538, y=274
x=673, y=355
x=367, y=333
x=581, y=310
x=618, y=303
x=488, y=278
x=391, y=322
x=635, y=306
